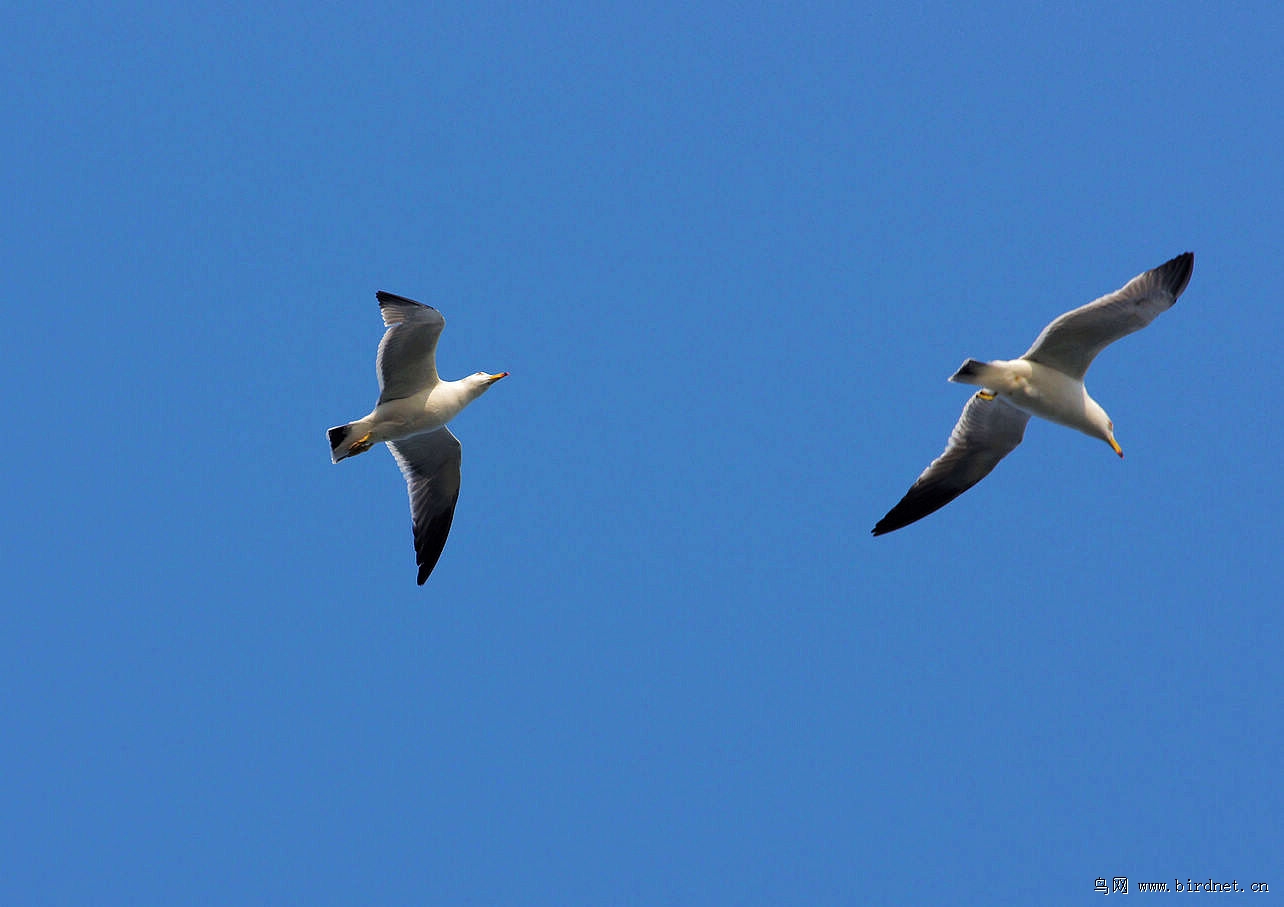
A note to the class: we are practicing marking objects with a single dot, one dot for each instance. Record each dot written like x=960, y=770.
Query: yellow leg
x=361, y=445
x=984, y=395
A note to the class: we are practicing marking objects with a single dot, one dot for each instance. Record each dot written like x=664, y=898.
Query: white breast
x=1046, y=393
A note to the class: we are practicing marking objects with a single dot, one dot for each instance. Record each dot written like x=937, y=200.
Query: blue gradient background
x=730, y=254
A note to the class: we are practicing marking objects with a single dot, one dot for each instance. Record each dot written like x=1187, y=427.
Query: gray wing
x=407, y=360
x=1072, y=341
x=430, y=463
x=988, y=430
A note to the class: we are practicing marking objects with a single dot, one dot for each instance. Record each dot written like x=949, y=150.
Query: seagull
x=411, y=415
x=1047, y=381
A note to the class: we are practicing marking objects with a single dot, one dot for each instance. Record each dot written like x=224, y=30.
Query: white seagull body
x=411, y=415
x=1047, y=381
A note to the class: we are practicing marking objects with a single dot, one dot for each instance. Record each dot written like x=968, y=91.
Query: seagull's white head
x=1102, y=427
x=479, y=382
x=1110, y=439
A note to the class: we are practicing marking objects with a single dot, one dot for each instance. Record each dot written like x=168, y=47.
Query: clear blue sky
x=729, y=253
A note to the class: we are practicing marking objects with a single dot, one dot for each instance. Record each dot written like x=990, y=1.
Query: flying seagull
x=411, y=415
x=1047, y=381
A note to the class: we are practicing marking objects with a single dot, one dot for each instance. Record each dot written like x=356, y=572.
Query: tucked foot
x=361, y=445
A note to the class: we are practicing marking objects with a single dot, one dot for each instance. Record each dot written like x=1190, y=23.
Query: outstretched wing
x=430, y=463
x=1072, y=341
x=988, y=430
x=407, y=360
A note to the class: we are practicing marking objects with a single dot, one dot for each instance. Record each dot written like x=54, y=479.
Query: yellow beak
x=1115, y=446
x=497, y=377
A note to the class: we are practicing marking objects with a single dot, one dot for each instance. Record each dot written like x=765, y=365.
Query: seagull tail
x=976, y=372
x=337, y=436
x=344, y=442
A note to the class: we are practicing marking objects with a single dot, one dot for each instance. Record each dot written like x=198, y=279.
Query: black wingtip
x=887, y=524
x=882, y=527
x=430, y=541
x=426, y=568
x=386, y=298
x=1175, y=273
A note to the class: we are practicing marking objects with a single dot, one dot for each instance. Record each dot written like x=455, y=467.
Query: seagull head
x=479, y=382
x=1110, y=439
x=1100, y=425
